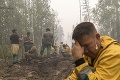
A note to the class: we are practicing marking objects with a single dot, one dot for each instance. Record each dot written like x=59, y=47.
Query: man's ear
x=97, y=36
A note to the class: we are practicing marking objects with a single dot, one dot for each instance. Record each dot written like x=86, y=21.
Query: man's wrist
x=79, y=61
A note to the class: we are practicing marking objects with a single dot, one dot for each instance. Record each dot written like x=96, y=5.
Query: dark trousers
x=15, y=58
x=48, y=49
x=29, y=56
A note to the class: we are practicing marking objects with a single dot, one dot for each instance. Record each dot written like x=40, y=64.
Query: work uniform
x=106, y=66
x=31, y=54
x=14, y=38
x=47, y=42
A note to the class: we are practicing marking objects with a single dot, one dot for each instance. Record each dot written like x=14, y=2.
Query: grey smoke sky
x=68, y=13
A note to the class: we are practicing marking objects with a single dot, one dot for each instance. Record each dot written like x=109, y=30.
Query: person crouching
x=32, y=53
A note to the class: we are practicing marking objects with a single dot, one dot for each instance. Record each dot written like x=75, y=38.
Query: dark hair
x=61, y=42
x=14, y=30
x=64, y=45
x=84, y=28
x=31, y=43
x=28, y=32
x=47, y=29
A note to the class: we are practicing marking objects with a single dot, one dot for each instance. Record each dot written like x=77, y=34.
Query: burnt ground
x=43, y=68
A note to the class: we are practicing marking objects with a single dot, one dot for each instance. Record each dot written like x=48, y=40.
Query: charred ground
x=43, y=68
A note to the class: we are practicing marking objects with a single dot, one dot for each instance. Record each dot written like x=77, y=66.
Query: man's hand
x=77, y=51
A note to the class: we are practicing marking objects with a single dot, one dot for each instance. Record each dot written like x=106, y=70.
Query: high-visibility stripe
x=83, y=74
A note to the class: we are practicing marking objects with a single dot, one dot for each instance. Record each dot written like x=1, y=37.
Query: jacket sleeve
x=76, y=74
x=32, y=49
x=107, y=69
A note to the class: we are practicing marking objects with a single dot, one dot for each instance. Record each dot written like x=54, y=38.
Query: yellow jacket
x=106, y=66
x=52, y=50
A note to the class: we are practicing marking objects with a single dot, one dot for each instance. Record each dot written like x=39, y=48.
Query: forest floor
x=43, y=68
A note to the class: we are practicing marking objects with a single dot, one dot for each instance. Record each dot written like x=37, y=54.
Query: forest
x=35, y=16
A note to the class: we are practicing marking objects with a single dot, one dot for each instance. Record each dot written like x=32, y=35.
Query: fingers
x=77, y=51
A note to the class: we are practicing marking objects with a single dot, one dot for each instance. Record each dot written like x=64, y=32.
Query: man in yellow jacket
x=96, y=58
